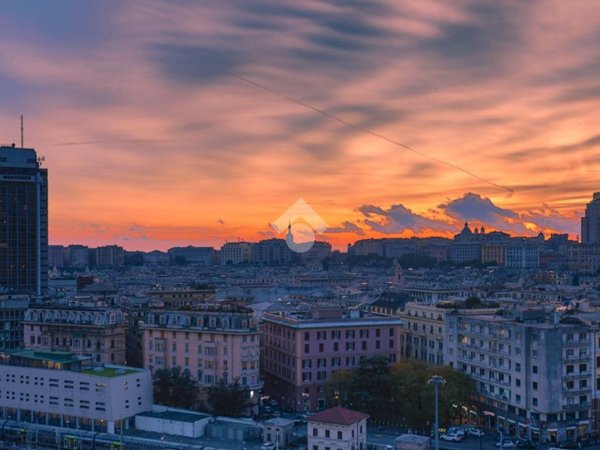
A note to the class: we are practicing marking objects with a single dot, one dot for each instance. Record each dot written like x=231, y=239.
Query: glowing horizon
x=167, y=124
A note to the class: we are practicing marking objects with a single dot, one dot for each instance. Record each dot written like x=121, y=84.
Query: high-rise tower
x=23, y=222
x=590, y=223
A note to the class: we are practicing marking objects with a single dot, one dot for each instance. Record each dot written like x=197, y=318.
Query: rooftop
x=53, y=360
x=50, y=356
x=175, y=416
x=339, y=416
x=109, y=371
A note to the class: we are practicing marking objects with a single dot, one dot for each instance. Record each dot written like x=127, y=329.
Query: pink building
x=303, y=350
x=213, y=341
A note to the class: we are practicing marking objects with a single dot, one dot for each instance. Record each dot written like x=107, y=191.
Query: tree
x=367, y=388
x=472, y=302
x=228, y=399
x=400, y=392
x=175, y=387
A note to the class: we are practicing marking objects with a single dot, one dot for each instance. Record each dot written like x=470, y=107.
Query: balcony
x=575, y=375
x=577, y=406
x=577, y=358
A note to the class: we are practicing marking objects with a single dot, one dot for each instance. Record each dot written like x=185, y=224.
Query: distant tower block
x=590, y=223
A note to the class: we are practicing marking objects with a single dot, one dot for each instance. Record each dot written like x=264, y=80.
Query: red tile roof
x=338, y=415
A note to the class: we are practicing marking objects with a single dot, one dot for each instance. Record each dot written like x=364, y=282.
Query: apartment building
x=90, y=329
x=535, y=375
x=67, y=390
x=424, y=330
x=214, y=342
x=302, y=350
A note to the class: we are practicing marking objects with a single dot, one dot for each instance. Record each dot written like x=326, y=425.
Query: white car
x=268, y=446
x=453, y=437
x=476, y=432
x=506, y=444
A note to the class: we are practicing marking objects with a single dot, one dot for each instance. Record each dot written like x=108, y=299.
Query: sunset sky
x=168, y=123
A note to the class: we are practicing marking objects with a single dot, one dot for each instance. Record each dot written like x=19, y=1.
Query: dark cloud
x=346, y=227
x=473, y=207
x=398, y=218
x=196, y=63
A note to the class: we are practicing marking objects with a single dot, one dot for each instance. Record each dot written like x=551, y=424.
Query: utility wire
x=368, y=131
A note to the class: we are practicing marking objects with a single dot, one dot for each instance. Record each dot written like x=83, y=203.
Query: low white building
x=174, y=422
x=278, y=431
x=66, y=390
x=337, y=429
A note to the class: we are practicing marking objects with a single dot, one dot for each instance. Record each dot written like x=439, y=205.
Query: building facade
x=63, y=389
x=56, y=256
x=337, y=428
x=12, y=312
x=96, y=331
x=424, y=332
x=23, y=222
x=110, y=256
x=213, y=342
x=590, y=222
x=182, y=298
x=534, y=376
x=77, y=256
x=301, y=351
x=234, y=253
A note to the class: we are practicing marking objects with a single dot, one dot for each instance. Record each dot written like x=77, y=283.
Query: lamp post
x=437, y=381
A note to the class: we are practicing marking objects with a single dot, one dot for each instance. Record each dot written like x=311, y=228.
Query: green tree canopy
x=175, y=387
x=400, y=392
x=228, y=399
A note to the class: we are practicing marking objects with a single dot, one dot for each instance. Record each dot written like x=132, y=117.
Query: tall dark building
x=23, y=222
x=590, y=223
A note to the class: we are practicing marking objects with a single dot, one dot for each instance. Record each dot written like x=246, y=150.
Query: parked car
x=476, y=432
x=453, y=437
x=268, y=446
x=527, y=445
x=506, y=443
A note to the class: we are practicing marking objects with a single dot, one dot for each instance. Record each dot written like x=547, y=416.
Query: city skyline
x=166, y=124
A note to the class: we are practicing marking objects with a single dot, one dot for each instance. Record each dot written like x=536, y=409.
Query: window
x=327, y=433
x=534, y=385
x=534, y=369
x=339, y=432
x=315, y=431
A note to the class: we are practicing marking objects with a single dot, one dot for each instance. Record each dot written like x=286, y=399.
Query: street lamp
x=437, y=381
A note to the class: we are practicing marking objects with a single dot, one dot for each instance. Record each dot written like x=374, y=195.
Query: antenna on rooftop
x=22, y=133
